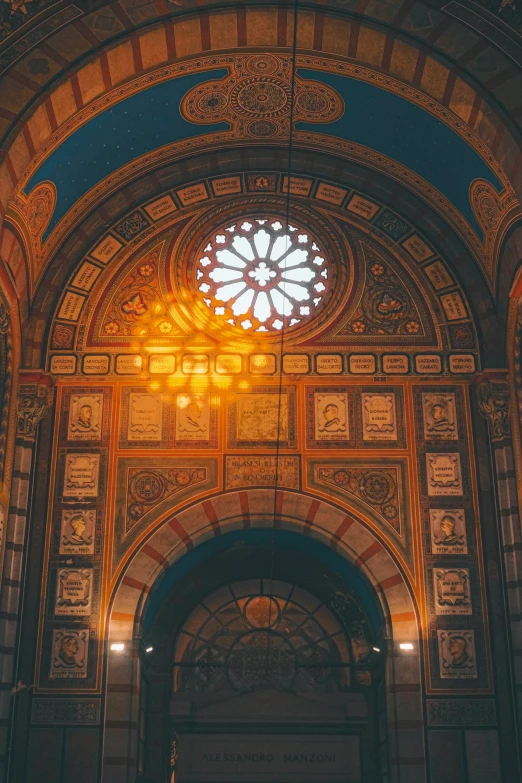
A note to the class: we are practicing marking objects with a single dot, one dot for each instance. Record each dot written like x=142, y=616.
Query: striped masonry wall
x=494, y=405
x=32, y=406
x=254, y=509
x=14, y=556
x=512, y=550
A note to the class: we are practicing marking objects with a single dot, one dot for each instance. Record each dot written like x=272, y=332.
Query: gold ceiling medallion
x=256, y=99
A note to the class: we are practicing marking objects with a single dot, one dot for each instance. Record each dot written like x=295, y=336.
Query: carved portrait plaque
x=331, y=416
x=379, y=419
x=85, y=416
x=69, y=654
x=452, y=591
x=440, y=421
x=444, y=474
x=74, y=592
x=448, y=531
x=457, y=655
x=81, y=475
x=262, y=417
x=145, y=417
x=77, y=532
x=192, y=417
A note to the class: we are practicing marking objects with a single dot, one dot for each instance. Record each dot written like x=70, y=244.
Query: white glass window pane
x=280, y=246
x=262, y=241
x=243, y=302
x=230, y=259
x=300, y=275
x=298, y=292
x=227, y=292
x=295, y=257
x=243, y=246
x=262, y=309
x=223, y=275
x=282, y=304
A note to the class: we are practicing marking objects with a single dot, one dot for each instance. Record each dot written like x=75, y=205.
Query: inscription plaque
x=288, y=758
x=444, y=474
x=260, y=471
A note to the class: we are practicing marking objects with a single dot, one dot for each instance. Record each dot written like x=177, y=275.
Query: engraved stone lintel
x=494, y=406
x=76, y=712
x=33, y=403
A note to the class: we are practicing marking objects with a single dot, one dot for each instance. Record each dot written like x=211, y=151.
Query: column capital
x=494, y=403
x=33, y=400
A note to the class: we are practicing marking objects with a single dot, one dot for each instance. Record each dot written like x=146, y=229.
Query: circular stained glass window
x=261, y=275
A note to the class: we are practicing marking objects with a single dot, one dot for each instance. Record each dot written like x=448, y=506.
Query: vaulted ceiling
x=414, y=108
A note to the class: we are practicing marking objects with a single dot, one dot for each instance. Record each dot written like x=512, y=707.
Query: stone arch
x=335, y=527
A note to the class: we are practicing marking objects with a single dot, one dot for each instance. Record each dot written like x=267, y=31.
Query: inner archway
x=275, y=666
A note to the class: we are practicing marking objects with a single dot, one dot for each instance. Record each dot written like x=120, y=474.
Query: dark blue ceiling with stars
x=150, y=119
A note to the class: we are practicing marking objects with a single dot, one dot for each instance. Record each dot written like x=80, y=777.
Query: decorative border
x=448, y=300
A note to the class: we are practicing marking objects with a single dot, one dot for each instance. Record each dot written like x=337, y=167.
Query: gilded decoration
x=262, y=124
x=38, y=212
x=147, y=488
x=256, y=99
x=390, y=306
x=378, y=488
x=137, y=308
x=164, y=285
x=490, y=208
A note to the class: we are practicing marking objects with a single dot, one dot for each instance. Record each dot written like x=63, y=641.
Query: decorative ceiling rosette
x=256, y=98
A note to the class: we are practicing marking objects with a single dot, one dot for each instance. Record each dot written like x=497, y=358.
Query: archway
x=325, y=533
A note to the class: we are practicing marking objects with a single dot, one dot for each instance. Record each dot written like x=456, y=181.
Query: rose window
x=260, y=275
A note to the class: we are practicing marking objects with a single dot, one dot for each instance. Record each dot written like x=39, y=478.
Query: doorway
x=268, y=665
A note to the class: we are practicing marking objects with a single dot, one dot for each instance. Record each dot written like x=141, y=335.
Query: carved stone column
x=33, y=403
x=494, y=404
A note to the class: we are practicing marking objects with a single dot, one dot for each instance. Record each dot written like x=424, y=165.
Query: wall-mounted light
x=406, y=646
x=376, y=649
x=149, y=649
x=117, y=647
